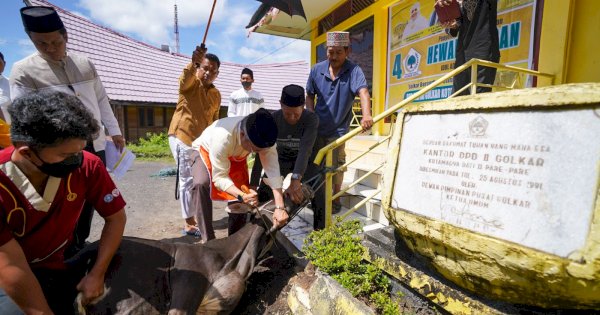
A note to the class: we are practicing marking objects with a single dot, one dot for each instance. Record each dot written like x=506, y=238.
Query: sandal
x=193, y=231
x=336, y=207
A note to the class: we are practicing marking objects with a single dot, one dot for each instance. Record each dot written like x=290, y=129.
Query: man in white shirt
x=53, y=68
x=221, y=171
x=4, y=92
x=245, y=101
x=416, y=22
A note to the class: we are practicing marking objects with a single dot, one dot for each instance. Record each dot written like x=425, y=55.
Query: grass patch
x=154, y=147
x=337, y=251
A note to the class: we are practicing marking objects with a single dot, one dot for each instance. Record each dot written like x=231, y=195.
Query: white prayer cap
x=340, y=39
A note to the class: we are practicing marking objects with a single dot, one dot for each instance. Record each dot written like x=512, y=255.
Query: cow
x=157, y=277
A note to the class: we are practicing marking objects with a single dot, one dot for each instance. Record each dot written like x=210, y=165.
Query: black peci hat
x=261, y=128
x=41, y=19
x=293, y=96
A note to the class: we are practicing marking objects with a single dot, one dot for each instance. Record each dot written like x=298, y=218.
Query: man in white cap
x=52, y=68
x=336, y=82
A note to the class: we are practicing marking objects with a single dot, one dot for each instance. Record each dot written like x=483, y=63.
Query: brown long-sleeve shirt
x=196, y=109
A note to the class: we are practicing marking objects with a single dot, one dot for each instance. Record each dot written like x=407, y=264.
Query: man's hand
x=366, y=122
x=442, y=3
x=198, y=55
x=250, y=197
x=280, y=217
x=450, y=24
x=294, y=191
x=119, y=142
x=91, y=287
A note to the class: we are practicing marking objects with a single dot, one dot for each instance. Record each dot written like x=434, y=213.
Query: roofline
x=157, y=48
x=105, y=28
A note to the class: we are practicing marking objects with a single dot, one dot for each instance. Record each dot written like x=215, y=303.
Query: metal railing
x=327, y=151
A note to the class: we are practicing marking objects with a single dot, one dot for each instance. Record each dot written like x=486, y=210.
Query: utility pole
x=176, y=31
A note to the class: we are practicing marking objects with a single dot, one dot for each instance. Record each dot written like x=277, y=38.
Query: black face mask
x=246, y=84
x=63, y=168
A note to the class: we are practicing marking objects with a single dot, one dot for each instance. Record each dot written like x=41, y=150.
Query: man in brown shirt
x=197, y=107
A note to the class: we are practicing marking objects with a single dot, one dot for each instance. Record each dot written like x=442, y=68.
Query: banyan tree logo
x=411, y=63
x=478, y=127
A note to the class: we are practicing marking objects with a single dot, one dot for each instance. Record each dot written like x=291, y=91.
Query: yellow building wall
x=569, y=45
x=569, y=42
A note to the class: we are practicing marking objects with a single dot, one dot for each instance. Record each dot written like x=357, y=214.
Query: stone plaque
x=529, y=177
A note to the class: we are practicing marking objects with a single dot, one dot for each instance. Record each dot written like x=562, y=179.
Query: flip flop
x=337, y=206
x=193, y=232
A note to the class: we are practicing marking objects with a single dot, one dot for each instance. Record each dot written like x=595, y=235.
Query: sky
x=151, y=21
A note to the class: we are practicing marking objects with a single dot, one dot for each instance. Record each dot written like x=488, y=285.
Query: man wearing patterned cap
x=297, y=131
x=336, y=82
x=221, y=170
x=53, y=68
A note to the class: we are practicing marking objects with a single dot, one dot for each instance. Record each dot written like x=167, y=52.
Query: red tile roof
x=134, y=71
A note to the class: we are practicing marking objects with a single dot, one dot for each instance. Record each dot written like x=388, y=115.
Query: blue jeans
x=7, y=306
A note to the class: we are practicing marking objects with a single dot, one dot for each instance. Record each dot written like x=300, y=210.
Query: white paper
x=118, y=163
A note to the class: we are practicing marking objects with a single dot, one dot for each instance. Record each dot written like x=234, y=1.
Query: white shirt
x=74, y=75
x=4, y=97
x=222, y=140
x=244, y=103
x=415, y=26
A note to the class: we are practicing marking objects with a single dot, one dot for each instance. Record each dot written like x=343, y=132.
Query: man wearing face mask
x=45, y=179
x=198, y=106
x=53, y=68
x=246, y=100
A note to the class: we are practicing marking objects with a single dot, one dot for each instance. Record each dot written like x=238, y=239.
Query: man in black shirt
x=295, y=139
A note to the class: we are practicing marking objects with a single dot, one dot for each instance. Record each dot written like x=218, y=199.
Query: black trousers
x=84, y=224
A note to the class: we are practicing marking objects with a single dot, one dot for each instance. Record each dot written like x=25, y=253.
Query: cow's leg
x=224, y=295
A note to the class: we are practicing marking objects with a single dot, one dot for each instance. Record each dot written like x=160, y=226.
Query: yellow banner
x=420, y=51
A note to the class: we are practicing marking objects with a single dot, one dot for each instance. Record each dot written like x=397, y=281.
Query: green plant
x=155, y=146
x=337, y=251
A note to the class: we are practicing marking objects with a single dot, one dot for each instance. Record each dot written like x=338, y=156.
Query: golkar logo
x=411, y=64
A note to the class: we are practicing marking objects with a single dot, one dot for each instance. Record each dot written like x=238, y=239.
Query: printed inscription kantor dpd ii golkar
x=493, y=173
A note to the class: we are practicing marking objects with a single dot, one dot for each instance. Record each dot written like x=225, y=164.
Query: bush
x=155, y=146
x=337, y=251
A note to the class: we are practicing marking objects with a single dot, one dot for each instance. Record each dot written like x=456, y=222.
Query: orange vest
x=4, y=134
x=238, y=172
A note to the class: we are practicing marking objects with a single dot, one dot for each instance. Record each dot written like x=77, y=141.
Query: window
x=146, y=116
x=342, y=13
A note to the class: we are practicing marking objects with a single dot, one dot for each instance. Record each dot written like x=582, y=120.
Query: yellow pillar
x=569, y=40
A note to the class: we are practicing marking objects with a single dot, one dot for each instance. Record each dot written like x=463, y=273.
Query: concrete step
x=372, y=209
x=355, y=172
x=360, y=144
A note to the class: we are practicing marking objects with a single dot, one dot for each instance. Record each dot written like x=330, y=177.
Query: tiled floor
x=297, y=230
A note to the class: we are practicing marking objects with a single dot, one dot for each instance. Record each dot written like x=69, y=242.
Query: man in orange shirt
x=197, y=107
